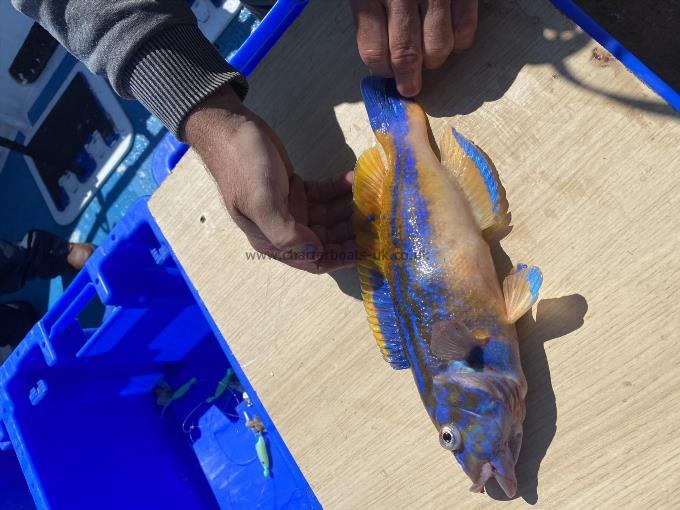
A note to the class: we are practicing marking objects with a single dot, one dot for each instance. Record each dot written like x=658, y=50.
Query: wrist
x=217, y=116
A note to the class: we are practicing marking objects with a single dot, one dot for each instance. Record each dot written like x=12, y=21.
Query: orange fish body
x=430, y=287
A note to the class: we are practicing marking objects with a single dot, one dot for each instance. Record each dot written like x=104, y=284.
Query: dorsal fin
x=521, y=290
x=368, y=189
x=476, y=176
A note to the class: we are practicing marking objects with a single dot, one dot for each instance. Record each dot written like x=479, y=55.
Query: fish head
x=482, y=428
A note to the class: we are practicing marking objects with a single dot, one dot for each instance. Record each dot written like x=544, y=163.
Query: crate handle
x=72, y=302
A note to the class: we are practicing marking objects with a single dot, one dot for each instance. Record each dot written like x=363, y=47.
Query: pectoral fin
x=476, y=176
x=450, y=340
x=521, y=290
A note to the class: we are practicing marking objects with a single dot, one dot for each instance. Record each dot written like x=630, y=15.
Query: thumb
x=288, y=235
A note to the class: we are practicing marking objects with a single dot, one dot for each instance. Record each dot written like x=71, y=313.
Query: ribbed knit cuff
x=175, y=70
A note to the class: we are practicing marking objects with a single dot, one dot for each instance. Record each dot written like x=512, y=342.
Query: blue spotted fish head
x=480, y=422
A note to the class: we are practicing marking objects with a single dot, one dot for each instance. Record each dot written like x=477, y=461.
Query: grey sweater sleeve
x=148, y=49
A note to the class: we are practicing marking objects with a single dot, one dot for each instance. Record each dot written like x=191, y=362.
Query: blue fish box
x=87, y=410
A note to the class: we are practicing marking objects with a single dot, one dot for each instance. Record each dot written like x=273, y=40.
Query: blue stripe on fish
x=472, y=152
x=443, y=405
x=407, y=285
x=425, y=296
x=405, y=164
x=385, y=107
x=408, y=330
x=415, y=297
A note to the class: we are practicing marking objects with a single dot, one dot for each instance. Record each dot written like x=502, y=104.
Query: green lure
x=182, y=390
x=179, y=393
x=222, y=386
x=262, y=454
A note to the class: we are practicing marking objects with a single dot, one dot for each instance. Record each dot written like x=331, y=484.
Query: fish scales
x=430, y=287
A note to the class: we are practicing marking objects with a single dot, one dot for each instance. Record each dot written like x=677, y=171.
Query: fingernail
x=410, y=88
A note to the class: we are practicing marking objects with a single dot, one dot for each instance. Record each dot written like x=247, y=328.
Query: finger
x=335, y=256
x=297, y=260
x=338, y=233
x=297, y=200
x=279, y=227
x=286, y=234
x=371, y=22
x=437, y=32
x=465, y=18
x=404, y=29
x=327, y=189
x=329, y=214
x=256, y=238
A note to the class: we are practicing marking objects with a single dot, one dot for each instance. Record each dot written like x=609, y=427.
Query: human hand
x=398, y=37
x=304, y=224
x=78, y=253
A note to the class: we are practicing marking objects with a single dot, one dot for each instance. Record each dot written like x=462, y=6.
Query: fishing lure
x=165, y=396
x=256, y=425
x=262, y=454
x=429, y=284
x=222, y=386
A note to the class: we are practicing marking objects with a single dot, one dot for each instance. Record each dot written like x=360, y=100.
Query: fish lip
x=486, y=473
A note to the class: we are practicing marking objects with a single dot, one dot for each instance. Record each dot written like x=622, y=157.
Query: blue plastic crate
x=79, y=407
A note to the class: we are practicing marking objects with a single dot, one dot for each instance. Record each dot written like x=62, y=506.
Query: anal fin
x=520, y=289
x=369, y=177
x=476, y=176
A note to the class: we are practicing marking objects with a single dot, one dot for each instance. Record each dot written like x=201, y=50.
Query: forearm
x=152, y=51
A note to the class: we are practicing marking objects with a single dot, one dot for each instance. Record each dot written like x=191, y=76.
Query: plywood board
x=590, y=160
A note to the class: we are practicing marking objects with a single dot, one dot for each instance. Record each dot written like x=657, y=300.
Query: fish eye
x=449, y=437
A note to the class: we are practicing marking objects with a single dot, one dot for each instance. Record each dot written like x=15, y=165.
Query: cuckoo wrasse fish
x=429, y=286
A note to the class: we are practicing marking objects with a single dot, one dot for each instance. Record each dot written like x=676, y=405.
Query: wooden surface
x=590, y=160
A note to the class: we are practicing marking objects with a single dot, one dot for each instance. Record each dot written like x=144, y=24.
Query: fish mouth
x=488, y=471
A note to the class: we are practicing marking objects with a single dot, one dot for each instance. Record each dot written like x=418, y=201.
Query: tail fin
x=387, y=109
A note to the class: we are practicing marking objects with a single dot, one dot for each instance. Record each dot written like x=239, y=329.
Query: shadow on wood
x=301, y=107
x=348, y=282
x=508, y=39
x=554, y=318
